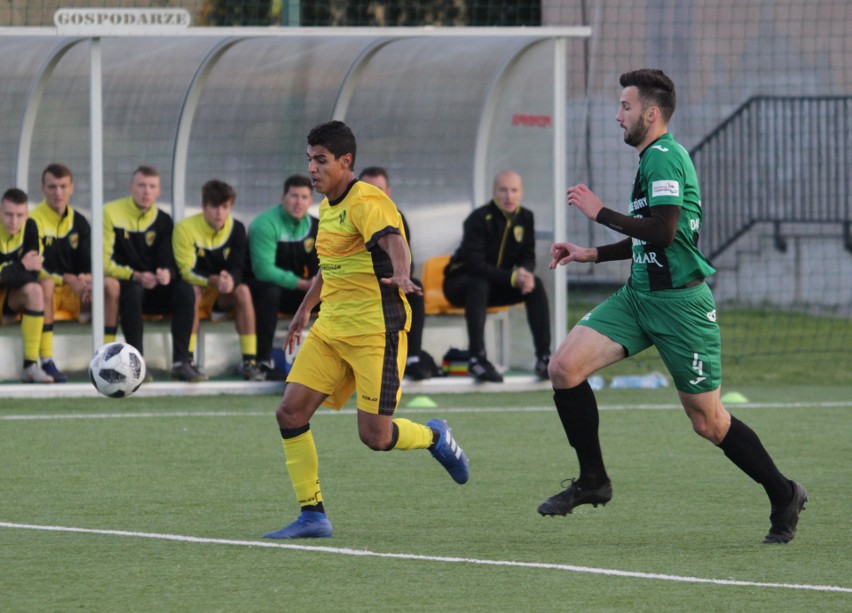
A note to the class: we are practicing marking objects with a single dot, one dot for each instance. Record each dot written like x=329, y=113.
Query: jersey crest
x=518, y=231
x=150, y=237
x=74, y=240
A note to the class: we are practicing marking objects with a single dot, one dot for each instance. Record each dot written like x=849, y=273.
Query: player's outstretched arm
x=394, y=245
x=563, y=253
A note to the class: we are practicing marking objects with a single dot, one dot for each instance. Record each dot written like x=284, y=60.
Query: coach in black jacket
x=494, y=266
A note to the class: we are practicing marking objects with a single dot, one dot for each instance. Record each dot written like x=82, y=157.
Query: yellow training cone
x=421, y=402
x=734, y=398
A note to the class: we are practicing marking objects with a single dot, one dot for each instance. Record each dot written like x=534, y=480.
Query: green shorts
x=681, y=323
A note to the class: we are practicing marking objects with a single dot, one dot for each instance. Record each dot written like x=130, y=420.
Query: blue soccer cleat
x=49, y=366
x=448, y=452
x=309, y=525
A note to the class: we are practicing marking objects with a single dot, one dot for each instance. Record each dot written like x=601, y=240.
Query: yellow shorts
x=209, y=295
x=66, y=304
x=209, y=299
x=371, y=364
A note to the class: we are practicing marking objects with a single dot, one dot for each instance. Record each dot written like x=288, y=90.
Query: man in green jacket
x=283, y=261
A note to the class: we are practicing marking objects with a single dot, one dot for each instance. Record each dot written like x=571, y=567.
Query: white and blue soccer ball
x=117, y=370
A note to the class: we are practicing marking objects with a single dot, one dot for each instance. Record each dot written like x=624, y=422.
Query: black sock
x=436, y=436
x=578, y=411
x=294, y=432
x=316, y=508
x=394, y=437
x=743, y=447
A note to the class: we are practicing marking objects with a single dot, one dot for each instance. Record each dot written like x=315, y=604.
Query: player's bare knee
x=285, y=415
x=563, y=373
x=33, y=296
x=708, y=429
x=373, y=441
x=699, y=426
x=242, y=294
x=370, y=441
x=48, y=286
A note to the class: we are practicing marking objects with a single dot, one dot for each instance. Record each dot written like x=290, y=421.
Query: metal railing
x=777, y=160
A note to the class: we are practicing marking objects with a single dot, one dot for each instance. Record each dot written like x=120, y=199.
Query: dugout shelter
x=442, y=110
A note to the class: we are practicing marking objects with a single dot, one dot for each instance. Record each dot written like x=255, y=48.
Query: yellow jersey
x=354, y=301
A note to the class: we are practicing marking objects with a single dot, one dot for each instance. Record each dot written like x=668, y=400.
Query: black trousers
x=418, y=317
x=176, y=299
x=269, y=300
x=476, y=294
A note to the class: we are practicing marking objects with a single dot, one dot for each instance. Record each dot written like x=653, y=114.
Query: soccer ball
x=117, y=370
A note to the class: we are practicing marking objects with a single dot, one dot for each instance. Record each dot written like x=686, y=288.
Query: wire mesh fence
x=764, y=92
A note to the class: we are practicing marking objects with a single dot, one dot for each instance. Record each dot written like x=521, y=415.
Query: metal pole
x=97, y=168
x=291, y=13
x=560, y=291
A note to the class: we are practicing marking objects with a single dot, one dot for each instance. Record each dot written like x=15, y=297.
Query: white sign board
x=121, y=22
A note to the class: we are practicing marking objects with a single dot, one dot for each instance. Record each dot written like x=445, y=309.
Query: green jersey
x=667, y=176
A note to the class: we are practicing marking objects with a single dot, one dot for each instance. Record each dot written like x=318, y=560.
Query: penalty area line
x=426, y=558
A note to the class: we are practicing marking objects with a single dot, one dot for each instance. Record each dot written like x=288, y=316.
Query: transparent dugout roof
x=443, y=115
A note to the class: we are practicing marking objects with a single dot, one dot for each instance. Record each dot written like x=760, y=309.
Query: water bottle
x=597, y=382
x=652, y=380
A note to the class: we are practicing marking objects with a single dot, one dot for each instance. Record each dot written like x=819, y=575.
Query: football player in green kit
x=665, y=303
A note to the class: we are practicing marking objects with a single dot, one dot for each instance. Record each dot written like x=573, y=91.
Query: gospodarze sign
x=121, y=22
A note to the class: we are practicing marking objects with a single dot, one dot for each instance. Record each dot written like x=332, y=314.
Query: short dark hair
x=334, y=136
x=146, y=170
x=217, y=193
x=18, y=196
x=60, y=171
x=375, y=171
x=297, y=181
x=655, y=88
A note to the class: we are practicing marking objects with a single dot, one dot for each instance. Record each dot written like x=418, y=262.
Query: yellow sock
x=412, y=435
x=109, y=334
x=45, y=349
x=248, y=346
x=303, y=468
x=193, y=339
x=31, y=325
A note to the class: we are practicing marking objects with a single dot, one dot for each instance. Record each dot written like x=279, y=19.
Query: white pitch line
x=530, y=409
x=425, y=558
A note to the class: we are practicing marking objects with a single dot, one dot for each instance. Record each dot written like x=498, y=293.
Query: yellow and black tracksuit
x=66, y=242
x=67, y=249
x=201, y=251
x=141, y=241
x=13, y=275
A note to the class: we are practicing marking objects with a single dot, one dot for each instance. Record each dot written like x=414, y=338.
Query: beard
x=636, y=133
